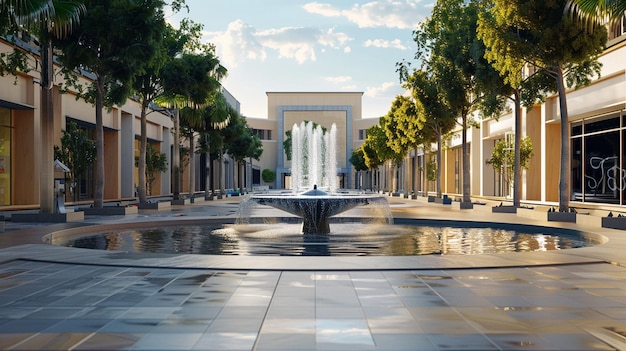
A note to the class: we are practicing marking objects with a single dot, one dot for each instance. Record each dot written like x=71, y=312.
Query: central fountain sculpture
x=314, y=160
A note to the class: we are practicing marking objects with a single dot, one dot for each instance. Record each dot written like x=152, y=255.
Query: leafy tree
x=241, y=144
x=378, y=150
x=436, y=118
x=403, y=130
x=103, y=45
x=156, y=162
x=268, y=176
x=357, y=160
x=192, y=84
x=149, y=84
x=503, y=157
x=538, y=33
x=447, y=43
x=524, y=88
x=78, y=153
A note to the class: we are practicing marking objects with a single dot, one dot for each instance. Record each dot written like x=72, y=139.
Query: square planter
x=562, y=217
x=504, y=209
x=614, y=222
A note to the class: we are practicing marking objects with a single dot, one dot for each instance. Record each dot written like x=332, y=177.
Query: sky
x=310, y=46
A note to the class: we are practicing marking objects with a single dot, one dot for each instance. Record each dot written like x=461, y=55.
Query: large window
x=598, y=160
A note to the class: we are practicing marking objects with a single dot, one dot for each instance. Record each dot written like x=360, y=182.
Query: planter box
x=445, y=200
x=155, y=205
x=504, y=209
x=562, y=217
x=614, y=222
x=111, y=211
x=48, y=217
x=179, y=202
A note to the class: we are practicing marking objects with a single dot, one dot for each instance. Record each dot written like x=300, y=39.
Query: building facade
x=20, y=141
x=596, y=121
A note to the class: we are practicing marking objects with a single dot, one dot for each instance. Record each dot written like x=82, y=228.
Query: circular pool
x=407, y=238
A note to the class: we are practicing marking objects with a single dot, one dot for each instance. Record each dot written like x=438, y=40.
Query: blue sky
x=300, y=45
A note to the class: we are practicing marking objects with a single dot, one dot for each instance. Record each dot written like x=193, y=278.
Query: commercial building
x=597, y=124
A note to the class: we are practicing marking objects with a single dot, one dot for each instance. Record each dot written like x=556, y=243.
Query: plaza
x=58, y=298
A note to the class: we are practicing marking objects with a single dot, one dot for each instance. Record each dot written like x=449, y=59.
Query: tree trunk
x=99, y=193
x=415, y=173
x=439, y=150
x=176, y=156
x=192, y=167
x=517, y=169
x=46, y=177
x=565, y=161
x=143, y=145
x=220, y=174
x=465, y=162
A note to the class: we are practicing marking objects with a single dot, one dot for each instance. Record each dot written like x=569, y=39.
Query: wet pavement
x=55, y=298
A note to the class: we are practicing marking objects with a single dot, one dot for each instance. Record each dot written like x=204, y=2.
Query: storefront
x=598, y=159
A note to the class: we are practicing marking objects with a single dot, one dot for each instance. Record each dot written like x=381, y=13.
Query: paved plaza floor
x=57, y=298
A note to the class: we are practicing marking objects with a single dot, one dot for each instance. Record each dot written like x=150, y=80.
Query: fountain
x=314, y=160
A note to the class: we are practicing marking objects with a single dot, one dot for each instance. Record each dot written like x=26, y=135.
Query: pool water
x=346, y=239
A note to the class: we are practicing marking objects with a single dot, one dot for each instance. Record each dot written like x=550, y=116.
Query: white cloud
x=237, y=44
x=241, y=42
x=326, y=10
x=338, y=79
x=401, y=14
x=382, y=43
x=378, y=91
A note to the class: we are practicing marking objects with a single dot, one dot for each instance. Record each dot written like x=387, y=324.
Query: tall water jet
x=313, y=163
x=313, y=157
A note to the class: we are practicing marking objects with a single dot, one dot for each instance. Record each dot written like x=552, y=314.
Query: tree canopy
x=102, y=46
x=539, y=34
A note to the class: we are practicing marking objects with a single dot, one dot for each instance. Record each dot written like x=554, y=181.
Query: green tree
x=377, y=149
x=525, y=88
x=192, y=84
x=503, y=157
x=357, y=160
x=436, y=119
x=78, y=153
x=268, y=175
x=538, y=33
x=156, y=163
x=149, y=85
x=448, y=44
x=403, y=131
x=102, y=45
x=241, y=144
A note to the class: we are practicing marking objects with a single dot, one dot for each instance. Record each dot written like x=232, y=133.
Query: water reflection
x=347, y=239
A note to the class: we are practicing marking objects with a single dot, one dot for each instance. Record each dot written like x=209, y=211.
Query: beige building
x=597, y=124
x=20, y=140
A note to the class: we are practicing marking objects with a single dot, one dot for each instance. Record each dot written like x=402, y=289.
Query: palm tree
x=598, y=11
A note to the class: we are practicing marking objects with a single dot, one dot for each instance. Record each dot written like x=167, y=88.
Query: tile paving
x=68, y=299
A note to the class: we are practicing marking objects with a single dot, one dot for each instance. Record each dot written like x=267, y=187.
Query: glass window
x=577, y=128
x=577, y=169
x=603, y=180
x=603, y=123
